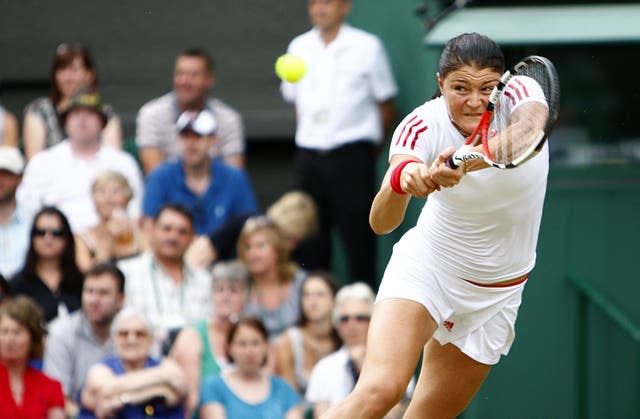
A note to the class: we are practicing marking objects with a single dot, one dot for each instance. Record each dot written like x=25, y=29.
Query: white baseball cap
x=202, y=123
x=11, y=160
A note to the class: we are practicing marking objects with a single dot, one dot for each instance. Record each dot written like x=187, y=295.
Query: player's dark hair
x=200, y=53
x=470, y=49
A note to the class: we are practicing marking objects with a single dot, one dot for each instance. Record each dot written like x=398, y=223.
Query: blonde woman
x=274, y=293
x=116, y=236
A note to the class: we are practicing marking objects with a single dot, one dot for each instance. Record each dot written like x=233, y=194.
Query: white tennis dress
x=485, y=230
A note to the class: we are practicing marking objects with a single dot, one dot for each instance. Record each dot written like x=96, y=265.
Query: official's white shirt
x=56, y=176
x=337, y=99
x=486, y=227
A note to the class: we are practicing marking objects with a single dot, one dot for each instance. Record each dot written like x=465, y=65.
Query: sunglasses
x=41, y=232
x=136, y=333
x=360, y=318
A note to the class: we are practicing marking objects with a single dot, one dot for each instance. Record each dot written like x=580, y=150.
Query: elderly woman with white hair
x=132, y=384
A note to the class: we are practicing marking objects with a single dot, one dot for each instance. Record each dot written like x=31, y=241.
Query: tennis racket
x=523, y=132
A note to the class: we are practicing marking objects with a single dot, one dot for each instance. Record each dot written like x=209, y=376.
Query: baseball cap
x=203, y=123
x=87, y=100
x=11, y=160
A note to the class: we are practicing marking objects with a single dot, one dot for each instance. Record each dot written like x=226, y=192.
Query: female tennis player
x=454, y=283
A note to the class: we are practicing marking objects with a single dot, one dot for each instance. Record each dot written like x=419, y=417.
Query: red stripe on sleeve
x=406, y=137
x=416, y=135
x=524, y=88
x=404, y=128
x=510, y=96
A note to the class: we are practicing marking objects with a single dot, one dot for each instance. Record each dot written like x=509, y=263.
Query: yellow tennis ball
x=290, y=68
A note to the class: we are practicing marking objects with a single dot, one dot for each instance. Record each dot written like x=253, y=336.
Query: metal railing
x=588, y=294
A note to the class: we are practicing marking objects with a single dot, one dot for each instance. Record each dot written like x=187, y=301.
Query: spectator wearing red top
x=24, y=391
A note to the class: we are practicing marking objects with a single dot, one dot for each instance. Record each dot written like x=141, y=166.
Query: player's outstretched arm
x=389, y=206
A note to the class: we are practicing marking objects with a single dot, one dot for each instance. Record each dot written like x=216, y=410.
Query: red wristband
x=394, y=180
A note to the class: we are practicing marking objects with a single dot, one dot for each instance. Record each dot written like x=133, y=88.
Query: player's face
x=83, y=126
x=15, y=340
x=172, y=234
x=71, y=78
x=328, y=14
x=317, y=299
x=101, y=298
x=191, y=81
x=466, y=91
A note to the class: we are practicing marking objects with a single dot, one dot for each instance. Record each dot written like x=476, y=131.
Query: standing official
x=344, y=109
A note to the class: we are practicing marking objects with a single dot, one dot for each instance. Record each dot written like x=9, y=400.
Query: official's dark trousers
x=341, y=181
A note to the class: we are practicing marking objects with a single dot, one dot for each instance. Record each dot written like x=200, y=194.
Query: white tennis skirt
x=479, y=320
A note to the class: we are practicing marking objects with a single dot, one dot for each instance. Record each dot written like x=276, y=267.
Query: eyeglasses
x=360, y=318
x=136, y=333
x=41, y=232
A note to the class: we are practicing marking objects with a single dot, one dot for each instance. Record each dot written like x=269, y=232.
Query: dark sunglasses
x=41, y=232
x=358, y=317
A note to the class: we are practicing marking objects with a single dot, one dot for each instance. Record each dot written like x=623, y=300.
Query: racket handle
x=450, y=163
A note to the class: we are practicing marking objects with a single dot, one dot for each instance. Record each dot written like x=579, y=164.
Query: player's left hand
x=441, y=174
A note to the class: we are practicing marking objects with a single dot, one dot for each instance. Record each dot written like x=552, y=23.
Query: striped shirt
x=156, y=127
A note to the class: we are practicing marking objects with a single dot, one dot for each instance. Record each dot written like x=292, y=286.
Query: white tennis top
x=337, y=99
x=485, y=228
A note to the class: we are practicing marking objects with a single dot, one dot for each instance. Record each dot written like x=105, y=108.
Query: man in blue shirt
x=210, y=188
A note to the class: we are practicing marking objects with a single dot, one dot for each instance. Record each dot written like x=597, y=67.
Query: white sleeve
x=411, y=137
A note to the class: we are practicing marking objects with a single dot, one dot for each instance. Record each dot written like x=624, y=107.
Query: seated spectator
x=299, y=348
x=8, y=128
x=116, y=236
x=62, y=175
x=274, y=293
x=160, y=285
x=248, y=391
x=210, y=188
x=294, y=212
x=201, y=349
x=193, y=78
x=132, y=384
x=334, y=376
x=15, y=217
x=72, y=70
x=24, y=391
x=50, y=275
x=76, y=343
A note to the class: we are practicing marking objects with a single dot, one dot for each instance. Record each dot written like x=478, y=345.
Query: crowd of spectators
x=148, y=282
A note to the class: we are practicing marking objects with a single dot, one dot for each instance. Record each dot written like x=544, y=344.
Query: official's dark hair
x=71, y=276
x=109, y=268
x=200, y=53
x=470, y=49
x=179, y=208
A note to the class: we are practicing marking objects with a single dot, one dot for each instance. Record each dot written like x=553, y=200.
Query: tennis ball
x=290, y=68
